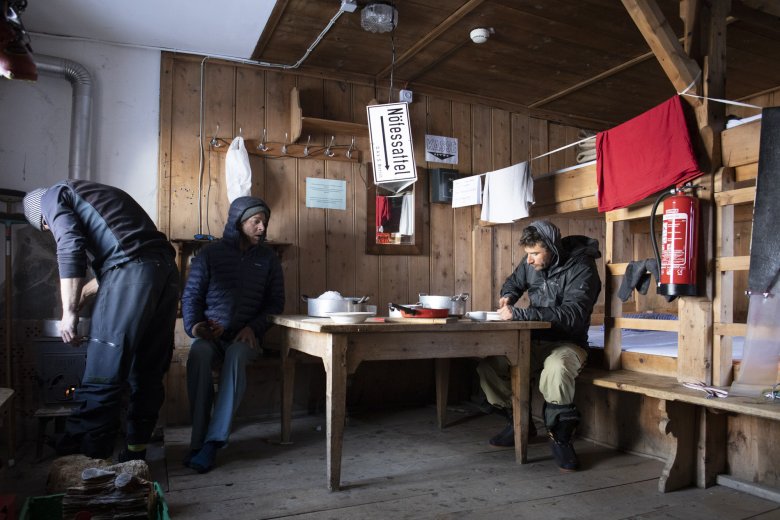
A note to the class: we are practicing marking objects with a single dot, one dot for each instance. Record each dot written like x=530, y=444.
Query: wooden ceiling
x=582, y=62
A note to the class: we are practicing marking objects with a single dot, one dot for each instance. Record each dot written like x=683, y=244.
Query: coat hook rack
x=215, y=141
x=262, y=146
x=329, y=150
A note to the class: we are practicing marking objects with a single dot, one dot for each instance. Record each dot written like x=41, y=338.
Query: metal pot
x=51, y=328
x=435, y=302
x=456, y=304
x=320, y=307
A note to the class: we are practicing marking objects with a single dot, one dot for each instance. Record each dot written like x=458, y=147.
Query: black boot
x=506, y=437
x=561, y=422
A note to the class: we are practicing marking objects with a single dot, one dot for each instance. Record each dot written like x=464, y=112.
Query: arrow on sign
x=384, y=141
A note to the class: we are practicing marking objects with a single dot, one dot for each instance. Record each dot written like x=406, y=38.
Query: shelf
x=300, y=124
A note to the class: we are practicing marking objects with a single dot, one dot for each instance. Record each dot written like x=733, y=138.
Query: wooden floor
x=398, y=464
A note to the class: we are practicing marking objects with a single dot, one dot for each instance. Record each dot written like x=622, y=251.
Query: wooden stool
x=46, y=414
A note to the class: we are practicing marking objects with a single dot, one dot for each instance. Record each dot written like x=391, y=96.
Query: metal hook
x=214, y=141
x=284, y=146
x=351, y=146
x=306, y=148
x=328, y=151
x=261, y=146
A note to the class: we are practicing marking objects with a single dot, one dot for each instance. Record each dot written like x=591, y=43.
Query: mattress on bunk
x=655, y=342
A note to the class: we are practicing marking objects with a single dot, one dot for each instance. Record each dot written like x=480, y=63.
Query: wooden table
x=343, y=347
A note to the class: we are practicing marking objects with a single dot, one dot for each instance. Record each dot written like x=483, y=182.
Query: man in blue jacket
x=233, y=286
x=136, y=293
x=563, y=284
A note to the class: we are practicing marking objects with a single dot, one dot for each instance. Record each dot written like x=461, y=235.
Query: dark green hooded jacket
x=564, y=293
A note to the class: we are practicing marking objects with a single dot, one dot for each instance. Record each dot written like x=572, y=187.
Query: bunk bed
x=645, y=355
x=632, y=336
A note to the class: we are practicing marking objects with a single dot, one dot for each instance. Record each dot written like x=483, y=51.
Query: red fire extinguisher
x=679, y=242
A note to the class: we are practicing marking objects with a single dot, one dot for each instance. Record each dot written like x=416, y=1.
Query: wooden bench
x=677, y=404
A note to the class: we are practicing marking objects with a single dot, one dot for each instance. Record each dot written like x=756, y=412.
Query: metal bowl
x=51, y=328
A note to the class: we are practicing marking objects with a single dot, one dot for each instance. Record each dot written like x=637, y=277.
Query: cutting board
x=449, y=319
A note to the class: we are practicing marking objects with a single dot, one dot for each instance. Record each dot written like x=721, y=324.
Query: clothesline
x=553, y=151
x=683, y=93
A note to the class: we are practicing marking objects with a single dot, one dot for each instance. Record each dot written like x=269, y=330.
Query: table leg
x=288, y=385
x=442, y=389
x=335, y=362
x=521, y=394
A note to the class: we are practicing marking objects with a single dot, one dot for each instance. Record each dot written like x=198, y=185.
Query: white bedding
x=659, y=343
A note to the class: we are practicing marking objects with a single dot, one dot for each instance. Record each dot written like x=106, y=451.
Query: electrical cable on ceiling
x=392, y=65
x=200, y=145
x=235, y=59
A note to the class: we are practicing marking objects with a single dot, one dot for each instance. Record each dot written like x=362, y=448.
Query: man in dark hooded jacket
x=233, y=285
x=562, y=282
x=135, y=291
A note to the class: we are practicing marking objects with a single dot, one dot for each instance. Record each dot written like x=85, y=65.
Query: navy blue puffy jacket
x=234, y=289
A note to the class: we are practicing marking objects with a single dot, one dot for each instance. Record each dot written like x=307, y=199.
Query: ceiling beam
x=269, y=29
x=744, y=11
x=768, y=6
x=431, y=36
x=651, y=22
x=598, y=77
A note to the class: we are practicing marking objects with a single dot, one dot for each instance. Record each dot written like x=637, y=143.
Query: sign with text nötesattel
x=390, y=132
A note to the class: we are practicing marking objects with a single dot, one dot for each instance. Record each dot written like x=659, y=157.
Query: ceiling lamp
x=379, y=17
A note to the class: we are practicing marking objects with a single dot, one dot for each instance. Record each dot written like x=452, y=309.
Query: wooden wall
x=328, y=246
x=327, y=250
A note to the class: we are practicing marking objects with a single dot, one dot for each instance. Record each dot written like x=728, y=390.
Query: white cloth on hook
x=508, y=194
x=238, y=173
x=406, y=224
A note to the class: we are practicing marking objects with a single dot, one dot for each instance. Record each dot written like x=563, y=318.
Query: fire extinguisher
x=679, y=242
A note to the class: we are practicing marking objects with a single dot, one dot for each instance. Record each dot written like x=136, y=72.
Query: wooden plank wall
x=327, y=250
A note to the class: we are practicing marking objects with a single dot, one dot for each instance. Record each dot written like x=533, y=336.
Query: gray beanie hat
x=32, y=208
x=253, y=210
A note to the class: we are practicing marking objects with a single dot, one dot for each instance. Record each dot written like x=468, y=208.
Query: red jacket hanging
x=644, y=155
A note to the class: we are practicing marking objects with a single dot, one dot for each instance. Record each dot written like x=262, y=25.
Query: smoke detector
x=379, y=17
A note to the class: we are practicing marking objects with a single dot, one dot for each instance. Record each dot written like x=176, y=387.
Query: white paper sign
x=326, y=193
x=391, y=144
x=467, y=191
x=441, y=149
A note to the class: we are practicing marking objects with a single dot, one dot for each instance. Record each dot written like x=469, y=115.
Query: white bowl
x=350, y=317
x=483, y=316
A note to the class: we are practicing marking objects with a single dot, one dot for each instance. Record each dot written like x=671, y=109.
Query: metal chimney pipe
x=81, y=113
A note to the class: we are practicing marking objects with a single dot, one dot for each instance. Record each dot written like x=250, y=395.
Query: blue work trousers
x=205, y=355
x=130, y=342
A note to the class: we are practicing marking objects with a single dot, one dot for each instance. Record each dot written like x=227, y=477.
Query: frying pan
x=420, y=312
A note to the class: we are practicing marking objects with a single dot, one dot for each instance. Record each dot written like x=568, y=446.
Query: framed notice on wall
x=390, y=132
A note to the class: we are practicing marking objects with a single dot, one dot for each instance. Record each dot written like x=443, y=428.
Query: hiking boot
x=506, y=437
x=564, y=454
x=561, y=422
x=126, y=455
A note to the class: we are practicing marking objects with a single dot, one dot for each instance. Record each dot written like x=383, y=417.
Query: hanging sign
x=391, y=145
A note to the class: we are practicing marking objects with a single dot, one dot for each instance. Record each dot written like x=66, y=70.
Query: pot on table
x=456, y=304
x=416, y=311
x=320, y=307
